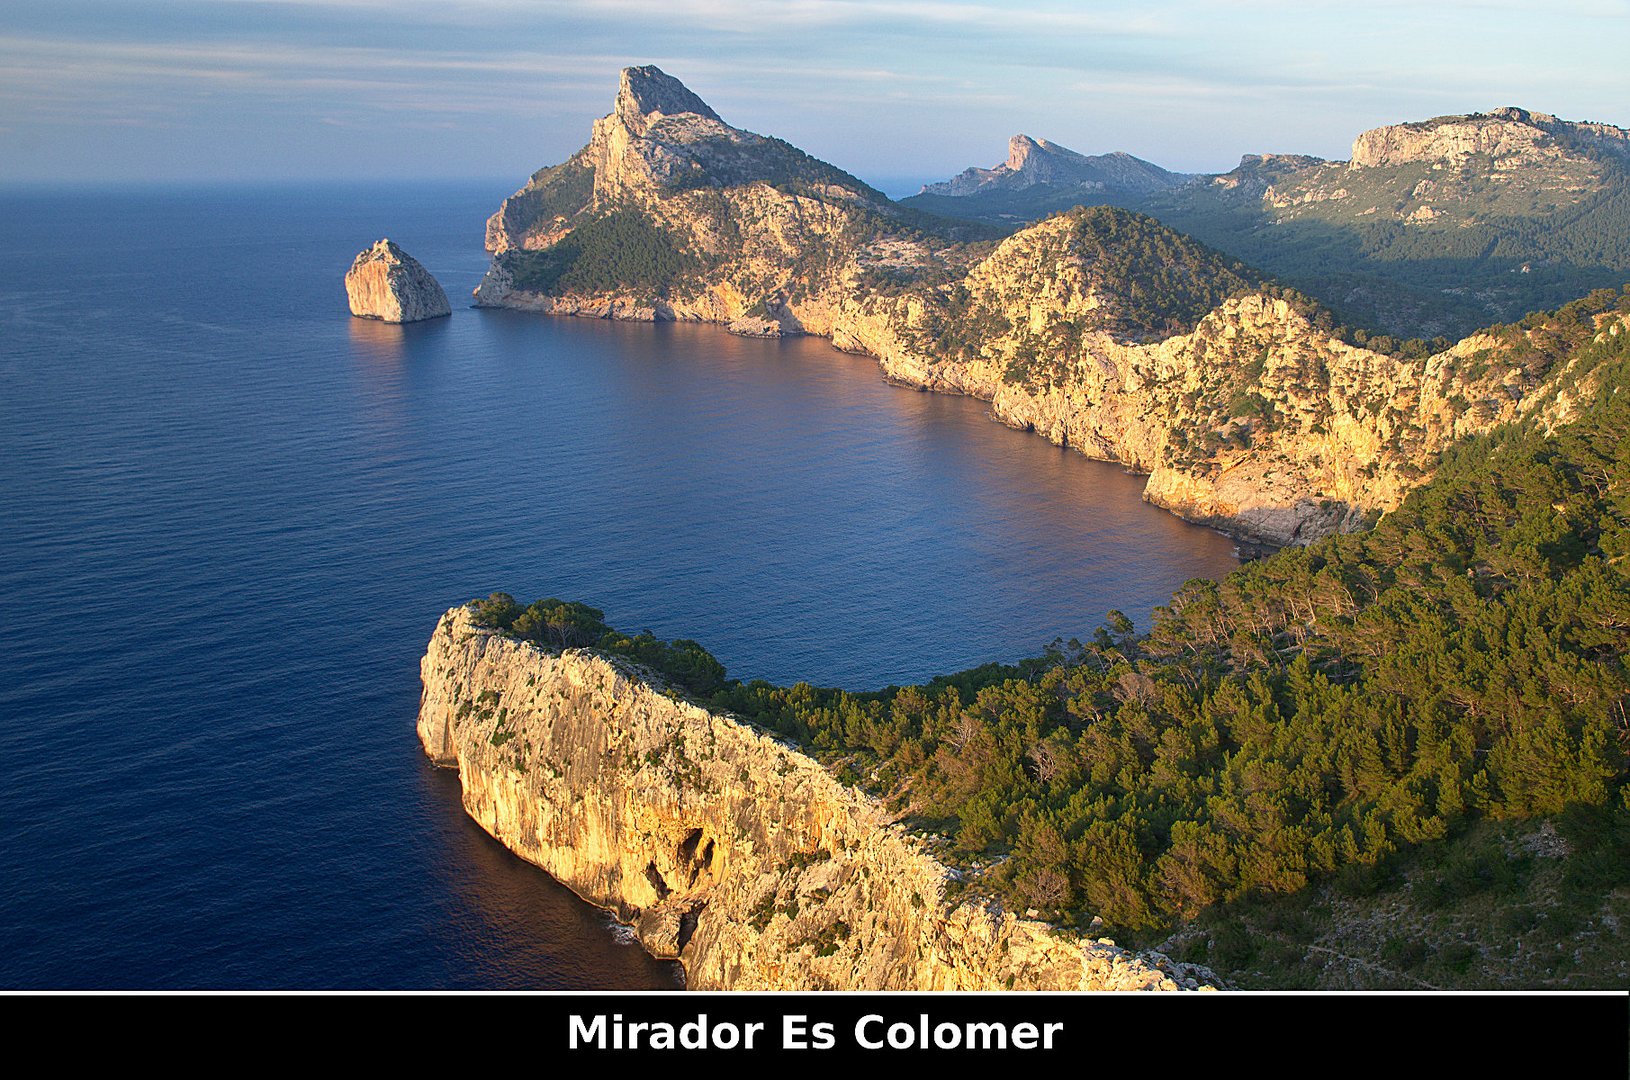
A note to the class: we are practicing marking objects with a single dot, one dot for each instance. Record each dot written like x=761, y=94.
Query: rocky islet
x=388, y=284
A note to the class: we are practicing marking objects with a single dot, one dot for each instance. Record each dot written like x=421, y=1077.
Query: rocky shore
x=724, y=848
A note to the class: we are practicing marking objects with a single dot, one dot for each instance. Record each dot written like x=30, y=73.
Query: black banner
x=1323, y=1034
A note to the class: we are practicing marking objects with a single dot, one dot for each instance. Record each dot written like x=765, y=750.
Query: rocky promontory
x=388, y=284
x=724, y=848
x=1099, y=328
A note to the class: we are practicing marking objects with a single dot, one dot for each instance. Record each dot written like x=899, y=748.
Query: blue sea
x=232, y=515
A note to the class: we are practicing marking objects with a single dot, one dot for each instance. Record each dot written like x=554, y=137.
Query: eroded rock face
x=723, y=848
x=388, y=284
x=1511, y=136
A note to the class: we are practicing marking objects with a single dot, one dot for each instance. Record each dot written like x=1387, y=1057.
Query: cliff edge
x=725, y=849
x=1512, y=136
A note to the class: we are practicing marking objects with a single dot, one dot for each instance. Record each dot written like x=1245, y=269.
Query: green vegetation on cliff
x=553, y=196
x=558, y=625
x=1145, y=281
x=622, y=250
x=1397, y=275
x=1304, y=720
x=1519, y=904
x=1158, y=283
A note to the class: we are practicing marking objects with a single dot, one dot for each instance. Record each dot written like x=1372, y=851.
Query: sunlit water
x=233, y=514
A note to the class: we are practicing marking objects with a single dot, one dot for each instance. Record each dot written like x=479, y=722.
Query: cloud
x=755, y=15
x=68, y=78
x=881, y=85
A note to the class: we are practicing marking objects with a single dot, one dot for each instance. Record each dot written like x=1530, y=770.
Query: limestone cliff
x=742, y=858
x=1100, y=329
x=1513, y=137
x=664, y=150
x=1449, y=173
x=387, y=283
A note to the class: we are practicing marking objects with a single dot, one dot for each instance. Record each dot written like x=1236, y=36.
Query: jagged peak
x=646, y=94
x=1021, y=148
x=1031, y=162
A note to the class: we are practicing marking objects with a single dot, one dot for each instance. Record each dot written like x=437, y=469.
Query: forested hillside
x=1434, y=228
x=1447, y=271
x=1313, y=714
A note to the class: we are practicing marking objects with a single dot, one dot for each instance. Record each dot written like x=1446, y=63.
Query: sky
x=899, y=92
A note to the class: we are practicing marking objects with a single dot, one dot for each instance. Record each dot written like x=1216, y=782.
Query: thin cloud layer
x=358, y=88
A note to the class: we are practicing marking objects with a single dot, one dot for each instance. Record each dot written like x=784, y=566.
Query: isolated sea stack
x=388, y=284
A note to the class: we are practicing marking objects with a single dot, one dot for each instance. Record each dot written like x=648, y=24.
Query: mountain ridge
x=1438, y=226
x=1037, y=161
x=1100, y=329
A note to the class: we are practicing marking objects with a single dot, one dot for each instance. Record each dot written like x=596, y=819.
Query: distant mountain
x=1036, y=161
x=659, y=138
x=1511, y=136
x=1040, y=177
x=1434, y=227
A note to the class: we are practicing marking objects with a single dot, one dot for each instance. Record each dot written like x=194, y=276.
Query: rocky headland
x=388, y=284
x=1099, y=329
x=724, y=848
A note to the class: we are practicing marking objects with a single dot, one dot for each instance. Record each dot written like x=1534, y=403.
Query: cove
x=235, y=514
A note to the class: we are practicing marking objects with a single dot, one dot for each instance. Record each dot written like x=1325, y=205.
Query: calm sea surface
x=232, y=515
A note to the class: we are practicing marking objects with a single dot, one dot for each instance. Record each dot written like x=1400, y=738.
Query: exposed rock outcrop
x=387, y=283
x=1514, y=137
x=1326, y=433
x=722, y=847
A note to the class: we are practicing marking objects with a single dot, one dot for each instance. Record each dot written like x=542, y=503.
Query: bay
x=233, y=514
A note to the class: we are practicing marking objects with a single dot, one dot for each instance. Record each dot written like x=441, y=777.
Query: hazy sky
x=896, y=91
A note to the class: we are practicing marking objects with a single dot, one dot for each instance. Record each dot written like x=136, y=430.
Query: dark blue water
x=232, y=515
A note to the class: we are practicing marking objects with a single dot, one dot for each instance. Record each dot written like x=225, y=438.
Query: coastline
x=1011, y=407
x=720, y=845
